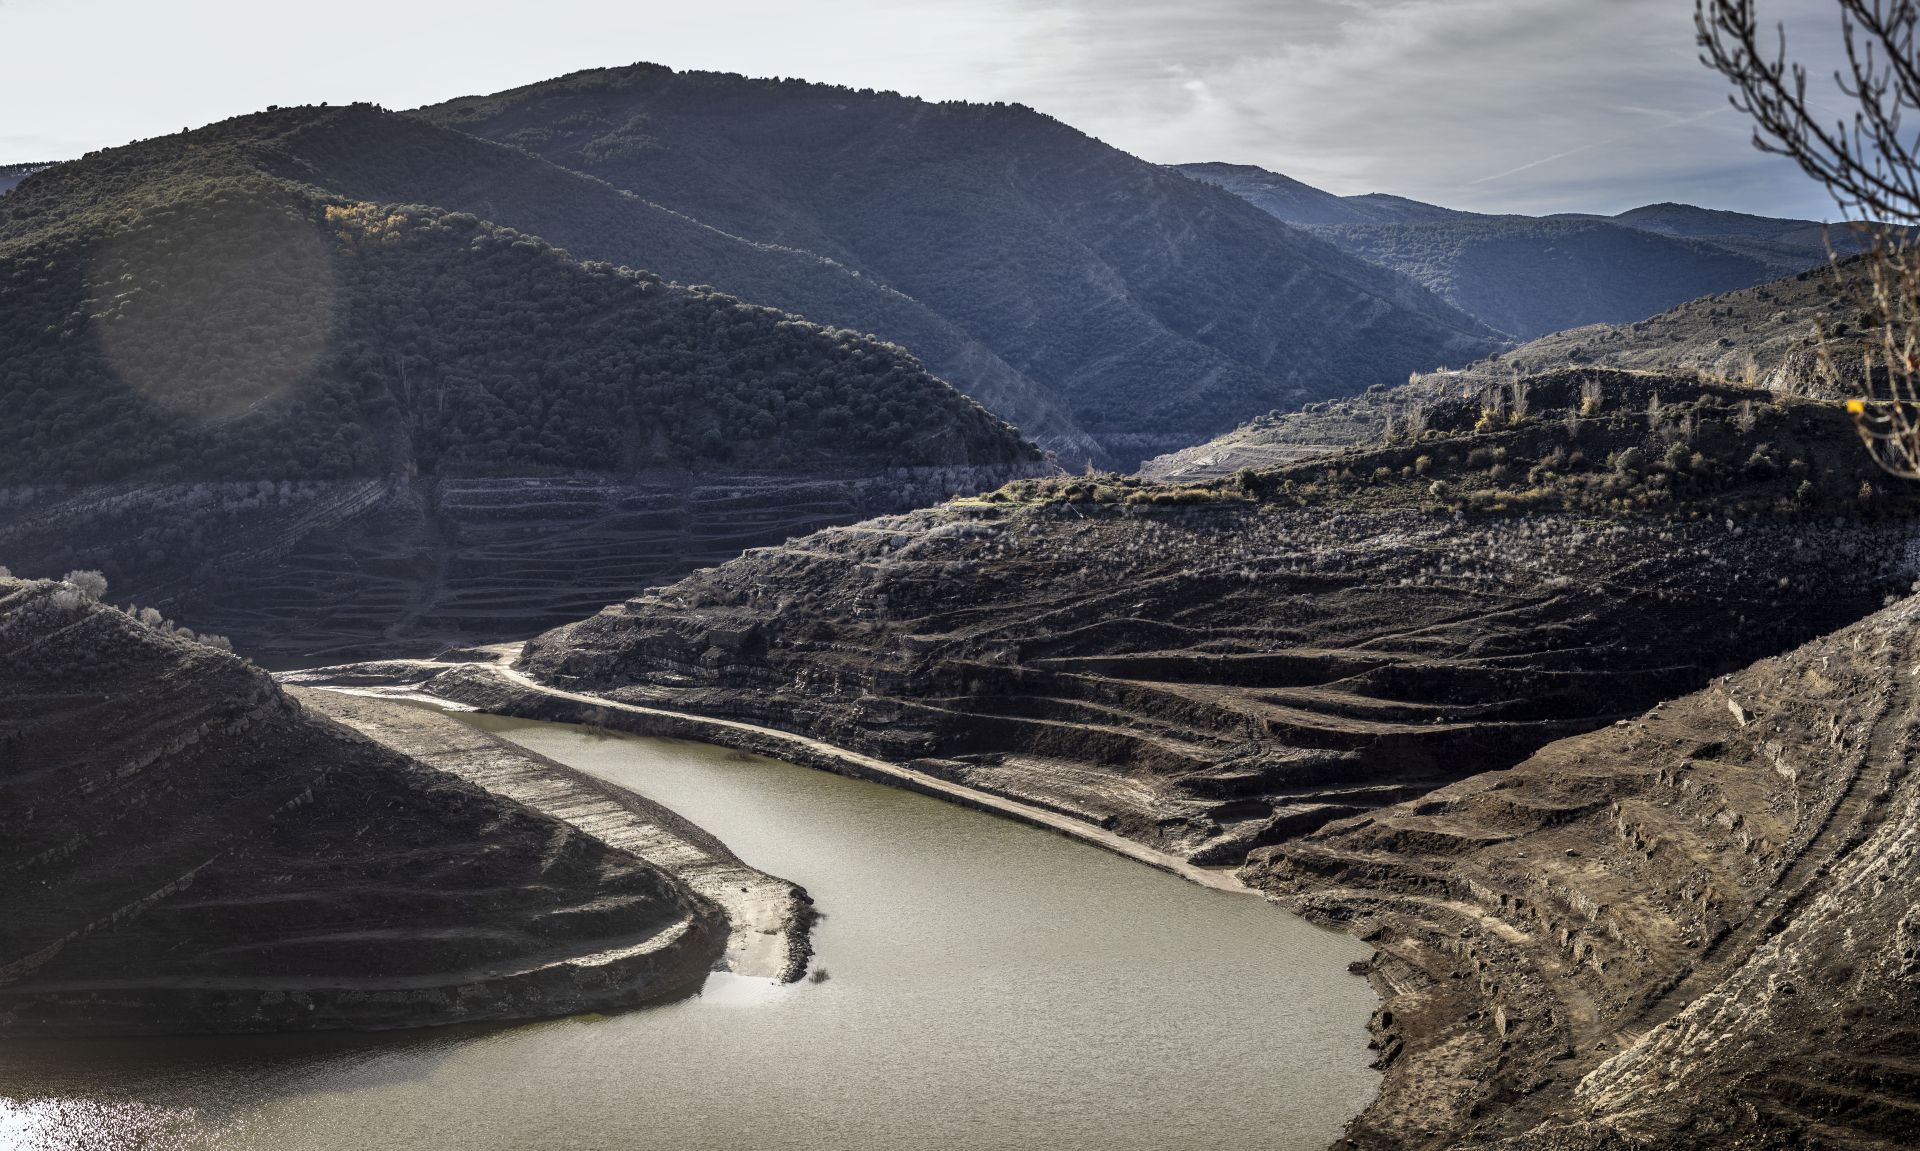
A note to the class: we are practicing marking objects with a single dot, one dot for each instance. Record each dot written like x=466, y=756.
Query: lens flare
x=213, y=309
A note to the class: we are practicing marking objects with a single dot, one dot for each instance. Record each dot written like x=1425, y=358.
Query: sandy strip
x=768, y=917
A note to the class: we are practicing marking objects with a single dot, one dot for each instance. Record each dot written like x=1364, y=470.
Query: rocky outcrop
x=1699, y=927
x=191, y=850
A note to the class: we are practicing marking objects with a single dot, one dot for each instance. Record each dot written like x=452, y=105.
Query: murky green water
x=990, y=985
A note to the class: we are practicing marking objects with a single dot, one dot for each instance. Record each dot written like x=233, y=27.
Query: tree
x=1868, y=161
x=90, y=584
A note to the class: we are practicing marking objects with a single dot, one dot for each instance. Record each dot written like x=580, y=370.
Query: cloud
x=1487, y=104
x=1493, y=105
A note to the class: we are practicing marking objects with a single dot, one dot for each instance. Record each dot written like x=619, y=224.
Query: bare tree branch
x=1868, y=161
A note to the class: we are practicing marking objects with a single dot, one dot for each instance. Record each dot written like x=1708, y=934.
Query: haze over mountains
x=1531, y=275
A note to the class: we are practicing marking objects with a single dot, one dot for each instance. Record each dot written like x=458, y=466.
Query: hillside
x=366, y=153
x=1404, y=689
x=12, y=174
x=1763, y=334
x=1693, y=929
x=249, y=327
x=1212, y=668
x=1760, y=337
x=1155, y=309
x=191, y=850
x=1301, y=203
x=1530, y=276
x=209, y=369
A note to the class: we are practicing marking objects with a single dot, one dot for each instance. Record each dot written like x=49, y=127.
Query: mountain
x=1300, y=203
x=1154, y=309
x=366, y=153
x=172, y=310
x=263, y=405
x=1759, y=337
x=1529, y=276
x=188, y=849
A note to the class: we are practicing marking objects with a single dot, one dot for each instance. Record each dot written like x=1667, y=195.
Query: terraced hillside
x=279, y=412
x=1762, y=337
x=190, y=850
x=312, y=571
x=1156, y=310
x=1209, y=669
x=1696, y=928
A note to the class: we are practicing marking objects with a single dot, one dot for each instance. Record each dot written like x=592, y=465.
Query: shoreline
x=769, y=918
x=495, y=687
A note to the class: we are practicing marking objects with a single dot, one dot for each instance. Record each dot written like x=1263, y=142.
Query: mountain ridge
x=1534, y=275
x=1081, y=266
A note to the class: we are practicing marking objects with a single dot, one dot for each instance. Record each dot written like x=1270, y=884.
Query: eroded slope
x=1210, y=669
x=189, y=850
x=1697, y=928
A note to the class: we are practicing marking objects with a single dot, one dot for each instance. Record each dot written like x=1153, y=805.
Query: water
x=990, y=985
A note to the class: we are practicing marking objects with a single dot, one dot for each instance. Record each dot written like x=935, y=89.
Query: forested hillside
x=169, y=310
x=1157, y=309
x=1529, y=276
x=366, y=153
x=12, y=174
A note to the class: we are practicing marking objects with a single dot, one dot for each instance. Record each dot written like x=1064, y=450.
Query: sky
x=1487, y=105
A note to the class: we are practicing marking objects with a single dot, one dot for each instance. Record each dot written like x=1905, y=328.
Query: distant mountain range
x=1132, y=305
x=1531, y=275
x=1761, y=337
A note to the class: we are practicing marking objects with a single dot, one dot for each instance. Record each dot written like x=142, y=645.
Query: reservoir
x=988, y=985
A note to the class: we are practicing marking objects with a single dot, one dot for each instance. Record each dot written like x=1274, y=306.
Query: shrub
x=90, y=584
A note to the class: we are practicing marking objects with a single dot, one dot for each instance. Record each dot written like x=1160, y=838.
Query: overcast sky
x=1491, y=105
